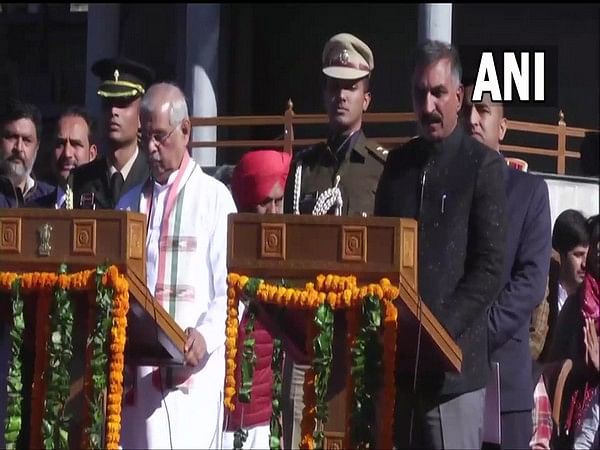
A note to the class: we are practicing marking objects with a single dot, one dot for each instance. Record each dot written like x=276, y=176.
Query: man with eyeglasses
x=186, y=248
x=101, y=183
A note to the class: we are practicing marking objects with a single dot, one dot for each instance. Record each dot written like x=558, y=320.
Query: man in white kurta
x=186, y=271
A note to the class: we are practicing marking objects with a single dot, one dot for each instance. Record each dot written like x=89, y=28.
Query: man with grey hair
x=186, y=246
x=20, y=132
x=453, y=185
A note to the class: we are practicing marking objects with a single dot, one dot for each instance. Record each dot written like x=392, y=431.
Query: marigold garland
x=118, y=333
x=231, y=333
x=79, y=281
x=339, y=292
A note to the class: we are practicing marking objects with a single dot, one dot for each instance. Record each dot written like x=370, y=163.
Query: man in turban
x=257, y=185
x=258, y=181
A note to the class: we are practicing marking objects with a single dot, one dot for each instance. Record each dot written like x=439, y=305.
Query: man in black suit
x=526, y=265
x=102, y=182
x=453, y=185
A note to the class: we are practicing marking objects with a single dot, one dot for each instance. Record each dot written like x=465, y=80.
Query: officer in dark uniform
x=338, y=176
x=347, y=165
x=102, y=182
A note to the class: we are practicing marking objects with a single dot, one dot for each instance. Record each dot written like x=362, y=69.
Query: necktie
x=116, y=183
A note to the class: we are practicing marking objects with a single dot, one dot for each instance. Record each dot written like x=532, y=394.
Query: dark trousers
x=517, y=429
x=448, y=423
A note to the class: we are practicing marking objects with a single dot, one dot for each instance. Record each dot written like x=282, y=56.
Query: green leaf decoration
x=248, y=356
x=14, y=385
x=251, y=287
x=366, y=373
x=323, y=356
x=55, y=421
x=277, y=369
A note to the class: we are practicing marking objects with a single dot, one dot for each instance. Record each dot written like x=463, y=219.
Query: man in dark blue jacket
x=526, y=265
x=20, y=133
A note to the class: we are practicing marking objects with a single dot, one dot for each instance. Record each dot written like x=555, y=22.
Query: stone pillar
x=435, y=22
x=102, y=42
x=201, y=63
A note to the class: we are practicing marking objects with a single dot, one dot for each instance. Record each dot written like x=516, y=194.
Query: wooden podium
x=299, y=247
x=39, y=240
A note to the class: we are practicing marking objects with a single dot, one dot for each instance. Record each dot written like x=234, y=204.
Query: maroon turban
x=256, y=174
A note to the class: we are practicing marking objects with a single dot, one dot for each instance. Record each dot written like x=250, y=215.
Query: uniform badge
x=342, y=59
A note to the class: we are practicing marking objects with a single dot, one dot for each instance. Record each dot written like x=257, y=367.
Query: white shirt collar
x=29, y=184
x=126, y=168
x=562, y=296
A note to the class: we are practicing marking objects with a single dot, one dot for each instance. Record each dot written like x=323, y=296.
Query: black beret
x=122, y=77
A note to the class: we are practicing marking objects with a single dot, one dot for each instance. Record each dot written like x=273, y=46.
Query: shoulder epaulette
x=377, y=150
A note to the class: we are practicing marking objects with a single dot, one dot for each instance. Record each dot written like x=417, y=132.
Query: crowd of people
x=487, y=269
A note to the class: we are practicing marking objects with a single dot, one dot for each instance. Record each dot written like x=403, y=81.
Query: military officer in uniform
x=338, y=176
x=102, y=182
x=348, y=160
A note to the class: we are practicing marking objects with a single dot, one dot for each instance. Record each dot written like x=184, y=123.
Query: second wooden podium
x=297, y=248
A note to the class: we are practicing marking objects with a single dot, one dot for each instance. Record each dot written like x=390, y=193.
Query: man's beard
x=15, y=169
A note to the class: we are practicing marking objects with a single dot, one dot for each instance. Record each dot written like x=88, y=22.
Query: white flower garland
x=297, y=183
x=332, y=196
x=69, y=197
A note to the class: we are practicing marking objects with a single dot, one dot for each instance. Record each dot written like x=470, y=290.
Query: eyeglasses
x=160, y=138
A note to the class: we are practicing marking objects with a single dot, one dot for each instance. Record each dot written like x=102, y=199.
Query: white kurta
x=189, y=412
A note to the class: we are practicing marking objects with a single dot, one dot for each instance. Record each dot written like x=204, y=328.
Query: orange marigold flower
x=332, y=299
x=328, y=281
x=385, y=282
x=113, y=273
x=321, y=298
x=347, y=297
x=320, y=281
x=334, y=282
x=114, y=409
x=363, y=292
x=242, y=281
x=113, y=427
x=232, y=277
